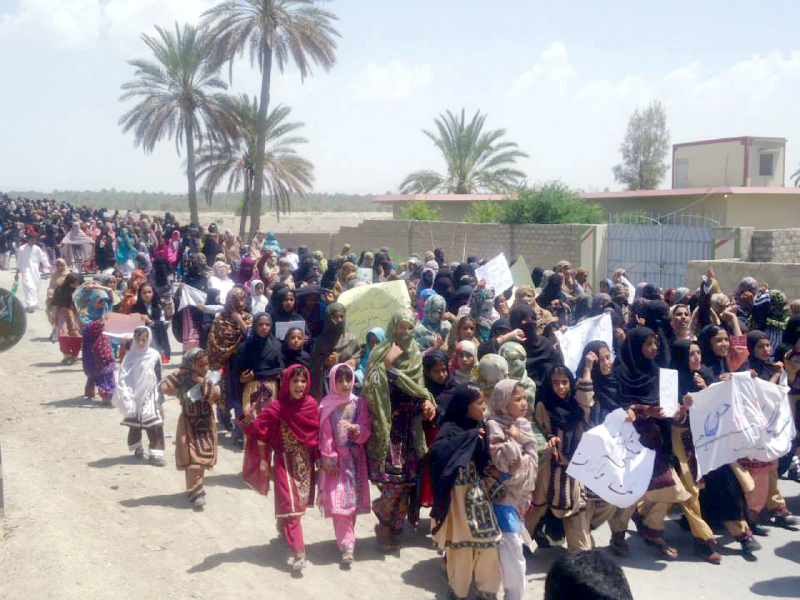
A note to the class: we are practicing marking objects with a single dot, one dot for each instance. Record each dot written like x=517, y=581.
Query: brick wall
x=541, y=245
x=776, y=245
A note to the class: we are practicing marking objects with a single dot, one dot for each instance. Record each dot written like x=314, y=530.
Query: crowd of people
x=461, y=403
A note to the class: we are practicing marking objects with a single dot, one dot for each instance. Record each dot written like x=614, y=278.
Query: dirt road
x=87, y=520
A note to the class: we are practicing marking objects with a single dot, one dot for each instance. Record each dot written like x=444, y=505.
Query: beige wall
x=756, y=148
x=765, y=211
x=714, y=205
x=785, y=277
x=711, y=165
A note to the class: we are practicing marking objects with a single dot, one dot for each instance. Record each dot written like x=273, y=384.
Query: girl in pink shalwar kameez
x=344, y=480
x=290, y=427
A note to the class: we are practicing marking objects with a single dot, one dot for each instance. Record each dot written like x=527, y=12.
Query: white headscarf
x=137, y=381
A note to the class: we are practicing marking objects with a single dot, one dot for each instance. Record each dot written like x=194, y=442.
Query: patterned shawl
x=409, y=377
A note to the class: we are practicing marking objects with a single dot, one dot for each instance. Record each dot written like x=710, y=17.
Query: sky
x=562, y=78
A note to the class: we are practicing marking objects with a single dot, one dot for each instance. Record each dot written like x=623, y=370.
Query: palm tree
x=477, y=161
x=283, y=30
x=178, y=97
x=284, y=172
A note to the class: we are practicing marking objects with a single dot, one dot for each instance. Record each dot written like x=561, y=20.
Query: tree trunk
x=245, y=207
x=194, y=216
x=261, y=141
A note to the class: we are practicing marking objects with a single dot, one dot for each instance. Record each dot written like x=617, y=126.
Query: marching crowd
x=460, y=403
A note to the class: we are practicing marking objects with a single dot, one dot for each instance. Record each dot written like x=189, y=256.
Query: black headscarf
x=656, y=316
x=443, y=284
x=716, y=364
x=541, y=356
x=311, y=315
x=292, y=357
x=275, y=309
x=457, y=444
x=601, y=302
x=551, y=292
x=764, y=369
x=583, y=307
x=680, y=362
x=155, y=304
x=442, y=392
x=637, y=376
x=536, y=276
x=331, y=331
x=459, y=298
x=262, y=355
x=605, y=386
x=565, y=415
x=651, y=292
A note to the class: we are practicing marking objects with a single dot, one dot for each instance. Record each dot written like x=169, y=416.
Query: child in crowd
x=98, y=356
x=139, y=399
x=464, y=525
x=344, y=480
x=196, y=438
x=290, y=427
x=513, y=453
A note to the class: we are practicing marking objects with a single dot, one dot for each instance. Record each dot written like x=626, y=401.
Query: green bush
x=419, y=210
x=484, y=212
x=552, y=202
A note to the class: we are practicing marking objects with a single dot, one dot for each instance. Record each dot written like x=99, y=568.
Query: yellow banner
x=373, y=305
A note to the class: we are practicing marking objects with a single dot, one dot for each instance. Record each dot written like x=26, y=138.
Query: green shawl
x=410, y=379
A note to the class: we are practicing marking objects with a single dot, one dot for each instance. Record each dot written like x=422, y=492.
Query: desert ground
x=311, y=222
x=85, y=519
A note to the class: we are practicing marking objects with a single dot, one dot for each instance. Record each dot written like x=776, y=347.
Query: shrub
x=419, y=210
x=552, y=202
x=484, y=212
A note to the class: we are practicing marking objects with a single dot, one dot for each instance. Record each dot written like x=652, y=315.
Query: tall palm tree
x=477, y=160
x=284, y=30
x=284, y=172
x=178, y=97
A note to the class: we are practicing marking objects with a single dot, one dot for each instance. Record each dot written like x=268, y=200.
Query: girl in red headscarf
x=290, y=427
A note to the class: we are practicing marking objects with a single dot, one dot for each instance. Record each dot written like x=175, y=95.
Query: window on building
x=765, y=164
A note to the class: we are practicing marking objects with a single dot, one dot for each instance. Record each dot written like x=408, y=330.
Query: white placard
x=668, y=391
x=496, y=274
x=611, y=461
x=282, y=328
x=574, y=339
x=727, y=423
x=773, y=399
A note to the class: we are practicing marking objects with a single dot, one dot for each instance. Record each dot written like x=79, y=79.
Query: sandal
x=666, y=550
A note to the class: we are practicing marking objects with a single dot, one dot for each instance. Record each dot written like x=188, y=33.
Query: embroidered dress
x=196, y=437
x=347, y=493
x=98, y=360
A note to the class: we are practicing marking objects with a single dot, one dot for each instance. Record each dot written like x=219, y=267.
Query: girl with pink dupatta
x=344, y=428
x=290, y=428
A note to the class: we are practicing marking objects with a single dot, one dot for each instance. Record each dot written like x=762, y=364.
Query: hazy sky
x=561, y=77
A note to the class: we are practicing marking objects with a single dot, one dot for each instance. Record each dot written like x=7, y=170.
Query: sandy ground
x=84, y=519
x=307, y=222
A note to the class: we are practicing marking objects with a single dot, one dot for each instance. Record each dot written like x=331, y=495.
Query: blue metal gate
x=656, y=248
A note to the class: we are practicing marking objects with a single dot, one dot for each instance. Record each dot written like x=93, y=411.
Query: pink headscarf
x=333, y=400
